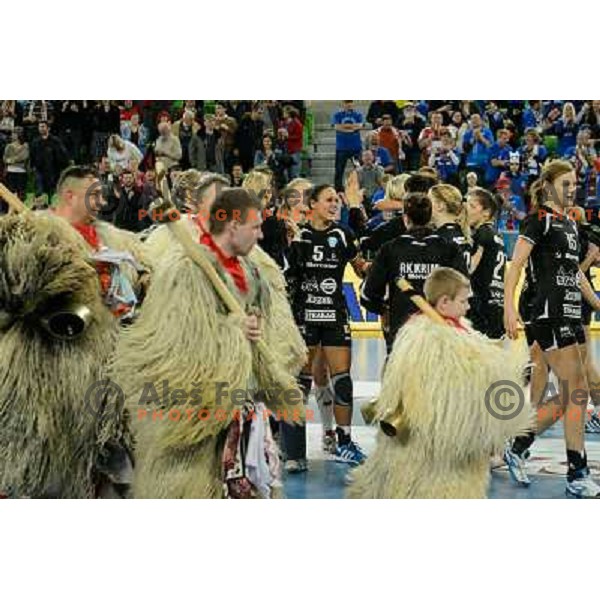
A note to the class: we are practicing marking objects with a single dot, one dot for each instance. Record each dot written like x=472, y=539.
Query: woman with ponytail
x=487, y=264
x=450, y=218
x=550, y=245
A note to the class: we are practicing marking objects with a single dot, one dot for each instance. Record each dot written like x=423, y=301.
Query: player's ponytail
x=453, y=203
x=543, y=188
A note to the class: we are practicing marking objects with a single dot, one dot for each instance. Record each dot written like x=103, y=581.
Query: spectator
x=266, y=154
x=589, y=115
x=533, y=154
x=515, y=177
x=295, y=132
x=565, y=129
x=16, y=155
x=476, y=144
x=127, y=111
x=381, y=154
x=429, y=135
x=472, y=181
x=445, y=158
x=134, y=132
x=370, y=175
x=411, y=126
x=378, y=108
x=512, y=207
x=129, y=202
x=389, y=138
x=35, y=112
x=498, y=157
x=185, y=129
x=225, y=128
x=237, y=175
x=122, y=154
x=582, y=155
x=348, y=145
x=248, y=136
x=202, y=148
x=494, y=117
x=532, y=116
x=457, y=128
x=48, y=158
x=167, y=147
x=106, y=119
x=74, y=123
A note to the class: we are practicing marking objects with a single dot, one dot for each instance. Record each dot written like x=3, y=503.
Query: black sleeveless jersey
x=315, y=274
x=553, y=269
x=487, y=281
x=451, y=232
x=413, y=256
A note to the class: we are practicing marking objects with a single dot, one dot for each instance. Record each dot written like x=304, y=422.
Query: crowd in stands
x=499, y=145
x=123, y=139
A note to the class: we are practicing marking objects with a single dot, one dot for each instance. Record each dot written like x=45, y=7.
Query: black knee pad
x=342, y=389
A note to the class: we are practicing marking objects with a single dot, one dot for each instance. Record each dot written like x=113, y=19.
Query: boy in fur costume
x=196, y=193
x=56, y=340
x=120, y=259
x=218, y=443
x=436, y=389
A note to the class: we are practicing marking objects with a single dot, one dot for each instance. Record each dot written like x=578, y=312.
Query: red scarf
x=89, y=233
x=231, y=264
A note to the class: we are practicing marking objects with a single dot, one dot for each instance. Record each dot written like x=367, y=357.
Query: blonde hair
x=452, y=200
x=572, y=107
x=543, y=187
x=258, y=182
x=444, y=281
x=394, y=189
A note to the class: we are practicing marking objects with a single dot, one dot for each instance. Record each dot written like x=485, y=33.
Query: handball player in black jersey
x=549, y=242
x=317, y=261
x=487, y=265
x=450, y=218
x=413, y=256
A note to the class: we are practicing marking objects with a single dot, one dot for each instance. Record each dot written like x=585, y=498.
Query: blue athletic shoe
x=583, y=486
x=517, y=467
x=350, y=453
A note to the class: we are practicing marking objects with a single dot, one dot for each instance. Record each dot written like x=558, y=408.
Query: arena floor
x=325, y=478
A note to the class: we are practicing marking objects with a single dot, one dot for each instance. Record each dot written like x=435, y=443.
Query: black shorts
x=551, y=335
x=333, y=335
x=490, y=322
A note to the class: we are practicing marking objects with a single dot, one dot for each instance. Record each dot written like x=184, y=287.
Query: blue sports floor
x=325, y=478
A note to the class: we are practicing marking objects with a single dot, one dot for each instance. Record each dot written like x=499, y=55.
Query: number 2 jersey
x=315, y=274
x=552, y=274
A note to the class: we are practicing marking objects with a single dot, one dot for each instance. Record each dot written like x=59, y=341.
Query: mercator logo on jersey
x=328, y=286
x=416, y=270
x=320, y=316
x=319, y=300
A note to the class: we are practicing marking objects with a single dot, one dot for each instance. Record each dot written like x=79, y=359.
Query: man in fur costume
x=216, y=441
x=56, y=339
x=121, y=262
x=442, y=397
x=195, y=192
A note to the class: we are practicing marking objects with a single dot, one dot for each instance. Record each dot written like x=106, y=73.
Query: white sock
x=324, y=397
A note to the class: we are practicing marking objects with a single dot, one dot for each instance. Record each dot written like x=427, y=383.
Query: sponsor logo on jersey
x=332, y=241
x=310, y=285
x=319, y=300
x=416, y=270
x=570, y=310
x=571, y=296
x=320, y=316
x=564, y=279
x=328, y=286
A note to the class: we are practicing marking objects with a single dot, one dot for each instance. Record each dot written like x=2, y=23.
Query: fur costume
x=184, y=335
x=281, y=332
x=51, y=443
x=439, y=378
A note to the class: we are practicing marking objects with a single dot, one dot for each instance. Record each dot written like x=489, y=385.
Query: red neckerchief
x=89, y=233
x=231, y=264
x=456, y=324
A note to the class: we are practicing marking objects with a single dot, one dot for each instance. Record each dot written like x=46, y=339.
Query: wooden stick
x=12, y=199
x=423, y=305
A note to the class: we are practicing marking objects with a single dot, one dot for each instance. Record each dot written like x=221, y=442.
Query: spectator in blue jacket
x=476, y=144
x=348, y=123
x=533, y=154
x=533, y=116
x=565, y=128
x=498, y=156
x=382, y=155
